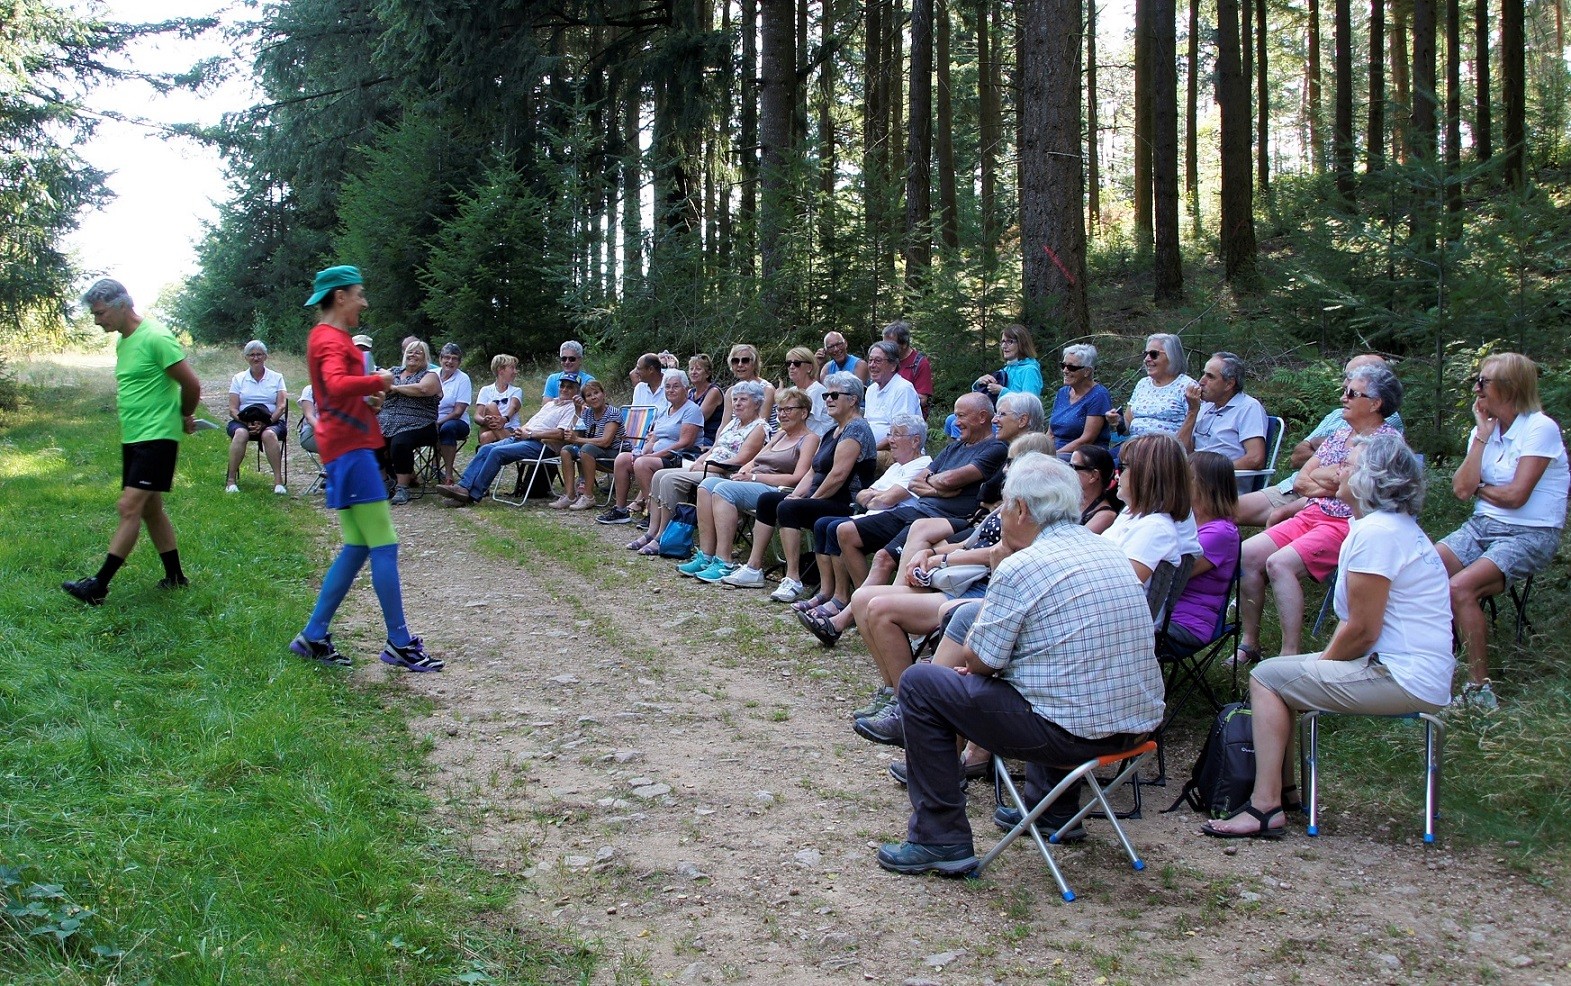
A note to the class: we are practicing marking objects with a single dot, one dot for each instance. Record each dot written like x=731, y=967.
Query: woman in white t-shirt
x=1516, y=468
x=1391, y=652
x=258, y=409
x=496, y=408
x=1156, y=526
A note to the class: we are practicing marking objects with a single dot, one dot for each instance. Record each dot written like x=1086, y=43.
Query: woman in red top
x=347, y=437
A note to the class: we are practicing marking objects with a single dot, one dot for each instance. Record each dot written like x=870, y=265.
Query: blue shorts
x=354, y=477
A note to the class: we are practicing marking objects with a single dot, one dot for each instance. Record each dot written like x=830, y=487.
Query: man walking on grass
x=158, y=395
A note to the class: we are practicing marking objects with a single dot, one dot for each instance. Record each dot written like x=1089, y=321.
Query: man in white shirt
x=889, y=394
x=548, y=428
x=1224, y=419
x=649, y=383
x=452, y=414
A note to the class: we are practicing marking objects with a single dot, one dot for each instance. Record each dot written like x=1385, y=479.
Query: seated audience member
x=258, y=407
x=1061, y=670
x=746, y=368
x=841, y=467
x=1276, y=503
x=785, y=458
x=1021, y=372
x=496, y=409
x=1222, y=418
x=911, y=363
x=364, y=344
x=949, y=487
x=836, y=357
x=1158, y=403
x=1099, y=501
x=1391, y=653
x=800, y=374
x=307, y=427
x=1214, y=494
x=1515, y=467
x=673, y=438
x=571, y=356
x=551, y=427
x=452, y=414
x=1156, y=526
x=648, y=377
x=1080, y=407
x=408, y=416
x=889, y=393
x=596, y=441
x=907, y=435
x=1308, y=542
x=737, y=443
x=703, y=391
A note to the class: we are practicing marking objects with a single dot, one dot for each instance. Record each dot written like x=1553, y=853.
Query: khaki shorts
x=1278, y=499
x=1361, y=687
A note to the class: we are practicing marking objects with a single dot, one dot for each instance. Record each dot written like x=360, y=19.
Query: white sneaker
x=582, y=503
x=746, y=577
x=789, y=592
x=232, y=488
x=281, y=489
x=561, y=503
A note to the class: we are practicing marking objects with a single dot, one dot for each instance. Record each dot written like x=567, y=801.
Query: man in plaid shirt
x=1060, y=666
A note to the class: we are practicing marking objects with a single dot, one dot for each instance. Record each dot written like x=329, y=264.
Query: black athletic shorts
x=149, y=466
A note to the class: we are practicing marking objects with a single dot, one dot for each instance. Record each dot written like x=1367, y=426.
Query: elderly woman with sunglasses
x=780, y=464
x=1308, y=542
x=1159, y=403
x=745, y=367
x=1081, y=404
x=673, y=437
x=1515, y=468
x=738, y=442
x=800, y=370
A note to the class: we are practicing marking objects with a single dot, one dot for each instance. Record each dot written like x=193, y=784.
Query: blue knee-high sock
x=340, y=576
x=384, y=578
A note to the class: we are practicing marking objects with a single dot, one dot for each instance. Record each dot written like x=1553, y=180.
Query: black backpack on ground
x=1224, y=774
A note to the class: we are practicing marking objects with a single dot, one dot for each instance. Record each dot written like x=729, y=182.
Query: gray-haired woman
x=1391, y=652
x=737, y=442
x=258, y=406
x=1080, y=408
x=1158, y=403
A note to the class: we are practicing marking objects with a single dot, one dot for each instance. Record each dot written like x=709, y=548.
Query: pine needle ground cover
x=181, y=801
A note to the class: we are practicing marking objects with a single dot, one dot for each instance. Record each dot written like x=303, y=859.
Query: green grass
x=187, y=802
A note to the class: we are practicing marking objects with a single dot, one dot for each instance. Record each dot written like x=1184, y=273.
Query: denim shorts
x=744, y=496
x=1516, y=550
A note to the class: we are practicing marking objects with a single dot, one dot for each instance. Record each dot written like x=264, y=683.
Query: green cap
x=333, y=277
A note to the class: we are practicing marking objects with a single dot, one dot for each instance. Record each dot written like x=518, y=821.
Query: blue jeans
x=489, y=460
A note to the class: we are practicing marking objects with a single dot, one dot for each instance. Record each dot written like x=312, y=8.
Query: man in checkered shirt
x=1060, y=667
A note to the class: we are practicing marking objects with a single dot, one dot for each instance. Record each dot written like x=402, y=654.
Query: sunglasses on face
x=1153, y=354
x=1081, y=467
x=796, y=362
x=568, y=359
x=1480, y=382
x=741, y=360
x=834, y=395
x=1352, y=395
x=1070, y=367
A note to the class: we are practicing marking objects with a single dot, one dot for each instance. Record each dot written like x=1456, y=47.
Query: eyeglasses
x=796, y=362
x=1006, y=341
x=795, y=407
x=1070, y=367
x=569, y=359
x=1082, y=467
x=1153, y=354
x=877, y=359
x=834, y=395
x=1480, y=382
x=1351, y=394
x=741, y=360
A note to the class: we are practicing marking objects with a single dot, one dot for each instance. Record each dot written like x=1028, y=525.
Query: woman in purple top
x=1214, y=498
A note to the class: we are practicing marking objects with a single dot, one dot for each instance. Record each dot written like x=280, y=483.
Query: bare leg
x=1273, y=732
x=133, y=508
x=706, y=523
x=1469, y=587
x=1252, y=587
x=893, y=612
x=274, y=453
x=762, y=532
x=588, y=462
x=791, y=547
x=1254, y=509
x=851, y=554
x=644, y=469
x=622, y=477
x=237, y=446
x=1286, y=570
x=724, y=518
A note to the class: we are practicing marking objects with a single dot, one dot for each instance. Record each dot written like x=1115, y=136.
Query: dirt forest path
x=671, y=767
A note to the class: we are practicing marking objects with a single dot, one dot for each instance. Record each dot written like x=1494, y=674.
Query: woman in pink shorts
x=1309, y=542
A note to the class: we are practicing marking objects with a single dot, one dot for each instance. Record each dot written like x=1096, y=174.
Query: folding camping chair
x=1184, y=669
x=523, y=484
x=637, y=421
x=1129, y=760
x=1254, y=480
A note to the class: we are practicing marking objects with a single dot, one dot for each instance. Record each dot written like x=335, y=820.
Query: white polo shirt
x=254, y=391
x=1225, y=429
x=1533, y=433
x=884, y=402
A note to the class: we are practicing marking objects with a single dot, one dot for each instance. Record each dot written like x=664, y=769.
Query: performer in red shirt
x=347, y=437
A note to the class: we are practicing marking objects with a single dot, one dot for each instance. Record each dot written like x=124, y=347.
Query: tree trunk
x=1483, y=143
x=828, y=223
x=1093, y=129
x=990, y=123
x=1377, y=87
x=948, y=206
x=632, y=192
x=1342, y=136
x=776, y=107
x=874, y=135
x=1422, y=126
x=747, y=210
x=1453, y=108
x=1142, y=149
x=1401, y=81
x=1191, y=113
x=1052, y=186
x=1317, y=146
x=1513, y=83
x=918, y=238
x=1238, y=220
x=1263, y=103
x=1169, y=273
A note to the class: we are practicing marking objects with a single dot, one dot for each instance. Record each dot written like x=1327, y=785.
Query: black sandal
x=1263, y=832
x=821, y=628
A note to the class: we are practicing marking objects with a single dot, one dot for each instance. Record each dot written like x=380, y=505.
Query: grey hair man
x=1224, y=419
x=836, y=357
x=889, y=393
x=158, y=397
x=1061, y=669
x=571, y=356
x=912, y=363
